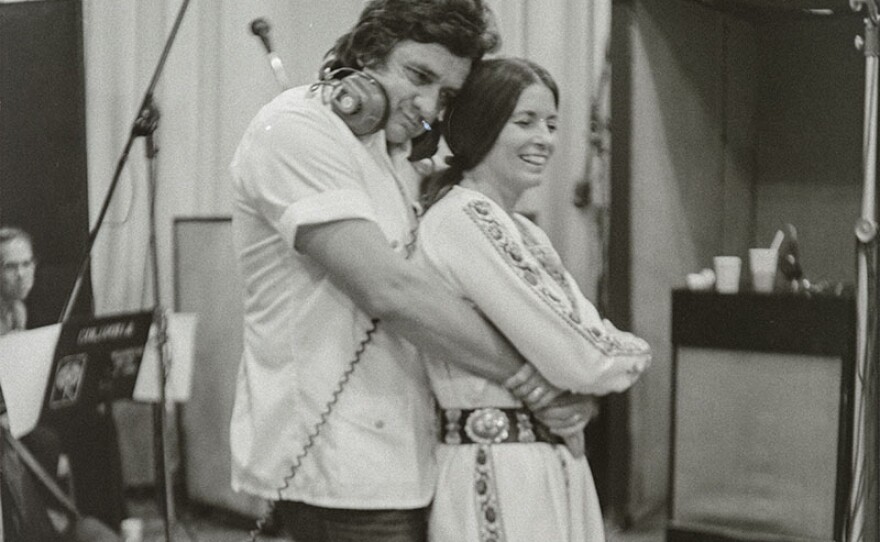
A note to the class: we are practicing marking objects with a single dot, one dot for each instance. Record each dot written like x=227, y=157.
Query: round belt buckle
x=487, y=426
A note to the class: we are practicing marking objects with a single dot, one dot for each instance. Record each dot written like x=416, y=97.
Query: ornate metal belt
x=490, y=425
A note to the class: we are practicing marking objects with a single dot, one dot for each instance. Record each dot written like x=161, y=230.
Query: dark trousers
x=90, y=441
x=25, y=500
x=306, y=523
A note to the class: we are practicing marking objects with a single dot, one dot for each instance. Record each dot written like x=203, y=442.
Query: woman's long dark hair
x=479, y=113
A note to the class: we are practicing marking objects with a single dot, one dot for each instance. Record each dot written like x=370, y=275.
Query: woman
x=503, y=477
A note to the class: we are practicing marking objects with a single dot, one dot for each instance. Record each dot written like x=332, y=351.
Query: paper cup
x=132, y=530
x=762, y=263
x=727, y=270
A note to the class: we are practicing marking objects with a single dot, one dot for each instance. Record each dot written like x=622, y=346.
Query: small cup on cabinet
x=727, y=271
x=763, y=263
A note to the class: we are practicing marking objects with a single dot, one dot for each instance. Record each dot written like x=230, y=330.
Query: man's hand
x=567, y=416
x=530, y=387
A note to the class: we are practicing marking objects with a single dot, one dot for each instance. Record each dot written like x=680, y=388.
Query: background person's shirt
x=13, y=316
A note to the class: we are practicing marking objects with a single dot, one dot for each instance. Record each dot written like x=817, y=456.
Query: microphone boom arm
x=260, y=28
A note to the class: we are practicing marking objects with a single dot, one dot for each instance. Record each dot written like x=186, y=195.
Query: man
x=30, y=512
x=333, y=417
x=25, y=504
x=16, y=277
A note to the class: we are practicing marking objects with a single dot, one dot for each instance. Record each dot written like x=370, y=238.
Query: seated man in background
x=16, y=278
x=29, y=510
x=23, y=512
x=16, y=281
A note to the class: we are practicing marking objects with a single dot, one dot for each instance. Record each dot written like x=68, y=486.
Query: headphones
x=362, y=104
x=358, y=99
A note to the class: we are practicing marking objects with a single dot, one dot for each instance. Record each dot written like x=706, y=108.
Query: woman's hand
x=567, y=416
x=530, y=387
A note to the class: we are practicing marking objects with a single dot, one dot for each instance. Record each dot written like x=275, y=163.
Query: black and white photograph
x=439, y=271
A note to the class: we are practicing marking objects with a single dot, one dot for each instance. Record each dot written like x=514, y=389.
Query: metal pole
x=863, y=518
x=160, y=419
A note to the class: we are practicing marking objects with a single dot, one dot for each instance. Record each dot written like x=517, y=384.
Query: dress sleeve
x=478, y=248
x=296, y=167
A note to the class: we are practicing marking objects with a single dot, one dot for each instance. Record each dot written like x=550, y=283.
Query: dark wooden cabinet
x=762, y=391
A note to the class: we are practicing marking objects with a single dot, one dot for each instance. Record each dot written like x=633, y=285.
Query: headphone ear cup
x=361, y=102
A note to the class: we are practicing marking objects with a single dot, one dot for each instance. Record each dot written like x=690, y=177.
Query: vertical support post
x=863, y=518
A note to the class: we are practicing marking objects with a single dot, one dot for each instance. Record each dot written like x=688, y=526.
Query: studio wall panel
x=43, y=186
x=207, y=283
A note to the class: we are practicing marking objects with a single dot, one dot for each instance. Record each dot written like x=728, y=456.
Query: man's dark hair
x=464, y=27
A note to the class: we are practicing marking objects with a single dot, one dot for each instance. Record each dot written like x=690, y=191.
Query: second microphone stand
x=145, y=126
x=863, y=519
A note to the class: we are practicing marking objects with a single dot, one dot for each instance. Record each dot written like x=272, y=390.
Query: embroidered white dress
x=517, y=492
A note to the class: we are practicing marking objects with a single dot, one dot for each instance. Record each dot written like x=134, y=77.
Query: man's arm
x=409, y=300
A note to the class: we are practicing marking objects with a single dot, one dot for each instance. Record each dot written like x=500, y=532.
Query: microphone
x=260, y=28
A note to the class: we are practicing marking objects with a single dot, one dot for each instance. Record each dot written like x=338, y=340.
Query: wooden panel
x=42, y=143
x=819, y=325
x=776, y=7
x=756, y=441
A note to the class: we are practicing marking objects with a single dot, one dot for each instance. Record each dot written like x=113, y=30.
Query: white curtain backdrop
x=217, y=77
x=123, y=40
x=569, y=38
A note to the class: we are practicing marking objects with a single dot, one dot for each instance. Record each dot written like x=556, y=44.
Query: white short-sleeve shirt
x=299, y=164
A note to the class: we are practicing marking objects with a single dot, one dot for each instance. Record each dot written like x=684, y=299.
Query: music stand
x=95, y=361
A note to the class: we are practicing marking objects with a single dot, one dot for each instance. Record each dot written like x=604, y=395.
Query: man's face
x=16, y=270
x=420, y=79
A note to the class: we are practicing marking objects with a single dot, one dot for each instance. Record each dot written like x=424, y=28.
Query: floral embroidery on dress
x=550, y=261
x=488, y=510
x=482, y=214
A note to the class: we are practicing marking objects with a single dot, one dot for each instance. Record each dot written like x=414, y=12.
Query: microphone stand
x=864, y=519
x=144, y=126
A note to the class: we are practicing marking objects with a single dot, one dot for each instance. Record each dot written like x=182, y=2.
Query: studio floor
x=211, y=526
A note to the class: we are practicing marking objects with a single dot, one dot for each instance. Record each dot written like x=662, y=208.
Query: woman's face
x=526, y=143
